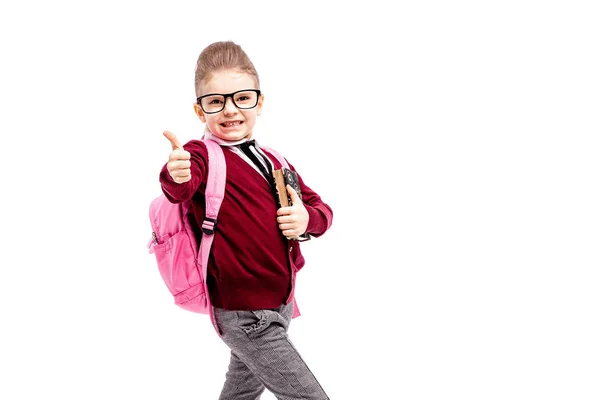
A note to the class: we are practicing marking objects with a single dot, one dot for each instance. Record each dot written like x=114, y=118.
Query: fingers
x=293, y=221
x=289, y=226
x=288, y=229
x=180, y=155
x=291, y=237
x=285, y=211
x=286, y=219
x=181, y=177
x=180, y=170
x=173, y=139
x=291, y=233
x=178, y=161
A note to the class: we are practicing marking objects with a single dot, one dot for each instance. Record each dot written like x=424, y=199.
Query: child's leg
x=240, y=383
x=260, y=341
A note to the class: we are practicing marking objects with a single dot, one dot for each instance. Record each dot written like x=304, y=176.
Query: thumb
x=173, y=139
x=294, y=196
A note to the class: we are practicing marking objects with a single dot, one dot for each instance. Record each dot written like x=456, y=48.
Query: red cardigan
x=252, y=265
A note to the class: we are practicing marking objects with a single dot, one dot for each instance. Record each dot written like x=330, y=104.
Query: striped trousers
x=262, y=356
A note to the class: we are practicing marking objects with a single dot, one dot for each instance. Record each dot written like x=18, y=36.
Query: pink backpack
x=181, y=262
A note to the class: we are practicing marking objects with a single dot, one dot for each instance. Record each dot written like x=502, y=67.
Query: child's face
x=231, y=123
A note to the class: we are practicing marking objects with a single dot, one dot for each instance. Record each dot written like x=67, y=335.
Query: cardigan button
x=291, y=249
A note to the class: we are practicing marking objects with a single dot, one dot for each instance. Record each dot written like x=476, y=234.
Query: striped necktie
x=249, y=149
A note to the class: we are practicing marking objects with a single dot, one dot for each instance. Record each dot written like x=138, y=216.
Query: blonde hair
x=219, y=56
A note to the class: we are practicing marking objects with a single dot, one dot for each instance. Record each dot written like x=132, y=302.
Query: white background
x=455, y=141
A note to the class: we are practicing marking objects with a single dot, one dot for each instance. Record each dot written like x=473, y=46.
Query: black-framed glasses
x=242, y=99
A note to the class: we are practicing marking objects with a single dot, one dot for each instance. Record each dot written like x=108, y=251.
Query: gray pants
x=262, y=356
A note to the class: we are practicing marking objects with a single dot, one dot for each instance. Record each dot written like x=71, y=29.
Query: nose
x=229, y=108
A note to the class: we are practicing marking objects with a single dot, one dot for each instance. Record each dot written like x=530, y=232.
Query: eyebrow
x=229, y=94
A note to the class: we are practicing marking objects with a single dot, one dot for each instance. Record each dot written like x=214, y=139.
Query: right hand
x=179, y=160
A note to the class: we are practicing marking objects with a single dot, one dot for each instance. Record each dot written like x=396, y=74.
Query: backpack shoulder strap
x=215, y=185
x=215, y=191
x=277, y=155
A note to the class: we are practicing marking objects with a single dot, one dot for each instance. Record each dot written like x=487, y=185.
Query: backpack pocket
x=177, y=262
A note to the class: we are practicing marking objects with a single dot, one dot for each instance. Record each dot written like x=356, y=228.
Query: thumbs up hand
x=179, y=160
x=293, y=220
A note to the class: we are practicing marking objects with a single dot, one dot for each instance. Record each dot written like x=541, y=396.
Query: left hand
x=293, y=220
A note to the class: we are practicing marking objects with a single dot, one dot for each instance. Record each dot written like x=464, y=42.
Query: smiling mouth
x=231, y=124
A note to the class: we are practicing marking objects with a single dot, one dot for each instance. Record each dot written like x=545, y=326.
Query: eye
x=245, y=98
x=242, y=97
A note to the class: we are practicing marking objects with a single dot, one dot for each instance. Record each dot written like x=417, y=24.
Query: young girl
x=255, y=257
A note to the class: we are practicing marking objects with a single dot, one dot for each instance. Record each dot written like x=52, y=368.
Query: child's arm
x=181, y=176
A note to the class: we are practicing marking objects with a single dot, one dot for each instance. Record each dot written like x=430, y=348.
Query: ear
x=260, y=104
x=199, y=112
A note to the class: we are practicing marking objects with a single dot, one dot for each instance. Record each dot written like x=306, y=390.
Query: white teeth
x=231, y=123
